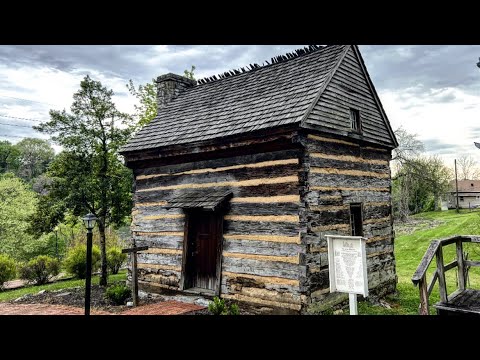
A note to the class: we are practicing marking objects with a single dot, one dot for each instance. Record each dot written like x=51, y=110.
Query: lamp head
x=89, y=221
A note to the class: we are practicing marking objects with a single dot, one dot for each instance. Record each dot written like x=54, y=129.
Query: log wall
x=339, y=173
x=263, y=257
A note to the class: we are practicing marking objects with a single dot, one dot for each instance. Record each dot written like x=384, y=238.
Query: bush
x=115, y=259
x=40, y=269
x=218, y=307
x=118, y=294
x=8, y=270
x=75, y=262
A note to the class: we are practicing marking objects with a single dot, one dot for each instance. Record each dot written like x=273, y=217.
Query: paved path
x=161, y=308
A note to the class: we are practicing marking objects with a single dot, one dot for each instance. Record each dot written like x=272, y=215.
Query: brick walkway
x=162, y=308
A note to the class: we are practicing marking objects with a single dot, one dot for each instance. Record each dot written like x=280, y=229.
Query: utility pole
x=456, y=183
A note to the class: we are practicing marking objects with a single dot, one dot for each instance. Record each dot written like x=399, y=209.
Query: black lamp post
x=89, y=221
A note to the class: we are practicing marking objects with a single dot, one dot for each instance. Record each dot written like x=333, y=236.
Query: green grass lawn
x=410, y=247
x=63, y=284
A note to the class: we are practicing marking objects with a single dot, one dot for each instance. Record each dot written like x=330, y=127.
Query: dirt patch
x=412, y=225
x=76, y=297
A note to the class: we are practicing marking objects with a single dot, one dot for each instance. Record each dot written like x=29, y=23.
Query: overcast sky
x=432, y=91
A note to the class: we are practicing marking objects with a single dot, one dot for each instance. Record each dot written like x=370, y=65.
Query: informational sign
x=347, y=262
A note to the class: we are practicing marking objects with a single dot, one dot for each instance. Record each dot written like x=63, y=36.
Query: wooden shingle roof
x=266, y=97
x=200, y=199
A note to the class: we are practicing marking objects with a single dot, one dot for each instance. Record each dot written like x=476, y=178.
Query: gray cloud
x=439, y=147
x=138, y=62
x=394, y=67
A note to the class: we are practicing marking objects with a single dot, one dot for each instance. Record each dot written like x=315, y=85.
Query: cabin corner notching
x=238, y=180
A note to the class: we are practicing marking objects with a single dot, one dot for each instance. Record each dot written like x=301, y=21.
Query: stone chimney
x=169, y=86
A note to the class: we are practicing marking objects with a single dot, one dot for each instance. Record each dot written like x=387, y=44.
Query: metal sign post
x=347, y=263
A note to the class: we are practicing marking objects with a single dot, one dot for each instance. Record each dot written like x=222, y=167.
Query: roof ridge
x=274, y=60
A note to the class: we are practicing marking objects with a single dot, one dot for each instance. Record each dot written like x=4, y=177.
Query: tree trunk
x=103, y=252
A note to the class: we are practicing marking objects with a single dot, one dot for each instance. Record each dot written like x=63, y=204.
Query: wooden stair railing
x=435, y=249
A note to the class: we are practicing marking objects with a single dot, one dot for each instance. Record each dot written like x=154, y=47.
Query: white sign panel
x=347, y=262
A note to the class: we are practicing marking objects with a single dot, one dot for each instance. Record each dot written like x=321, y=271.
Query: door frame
x=219, y=223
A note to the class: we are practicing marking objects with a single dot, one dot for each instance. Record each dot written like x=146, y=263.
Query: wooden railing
x=436, y=250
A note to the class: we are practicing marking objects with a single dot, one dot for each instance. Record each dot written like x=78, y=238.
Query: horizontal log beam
x=272, y=238
x=286, y=259
x=225, y=168
x=263, y=279
x=158, y=267
x=254, y=300
x=330, y=140
x=252, y=182
x=267, y=199
x=161, y=233
x=164, y=216
x=349, y=158
x=163, y=251
x=149, y=204
x=340, y=188
x=267, y=218
x=335, y=171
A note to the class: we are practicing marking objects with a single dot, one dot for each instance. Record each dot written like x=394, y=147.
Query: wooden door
x=203, y=250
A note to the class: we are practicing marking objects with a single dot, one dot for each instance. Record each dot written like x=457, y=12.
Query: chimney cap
x=176, y=78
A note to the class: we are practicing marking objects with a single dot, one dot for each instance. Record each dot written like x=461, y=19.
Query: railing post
x=461, y=266
x=422, y=286
x=442, y=286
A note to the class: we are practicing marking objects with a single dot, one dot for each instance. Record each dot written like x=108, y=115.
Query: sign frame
x=332, y=244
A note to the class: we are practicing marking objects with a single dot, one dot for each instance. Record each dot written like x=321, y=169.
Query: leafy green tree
x=9, y=157
x=35, y=156
x=17, y=205
x=147, y=98
x=89, y=175
x=189, y=74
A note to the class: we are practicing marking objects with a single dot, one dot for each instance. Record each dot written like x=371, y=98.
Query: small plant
x=118, y=294
x=8, y=270
x=75, y=262
x=40, y=270
x=218, y=307
x=115, y=259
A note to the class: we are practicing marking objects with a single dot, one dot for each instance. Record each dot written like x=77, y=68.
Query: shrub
x=115, y=259
x=8, y=270
x=75, y=262
x=40, y=269
x=218, y=307
x=118, y=294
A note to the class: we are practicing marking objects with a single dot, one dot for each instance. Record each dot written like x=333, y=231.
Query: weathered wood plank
x=472, y=263
x=423, y=308
x=160, y=259
x=171, y=175
x=177, y=181
x=450, y=265
x=286, y=208
x=267, y=238
x=432, y=282
x=263, y=268
x=259, y=156
x=350, y=165
x=262, y=248
x=460, y=262
x=324, y=180
x=287, y=259
x=442, y=286
x=249, y=191
x=426, y=260
x=261, y=228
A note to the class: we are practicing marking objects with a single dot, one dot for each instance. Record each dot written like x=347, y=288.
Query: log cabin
x=240, y=176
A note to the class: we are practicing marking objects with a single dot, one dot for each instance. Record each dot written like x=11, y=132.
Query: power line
x=25, y=126
x=20, y=118
x=23, y=137
x=39, y=102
